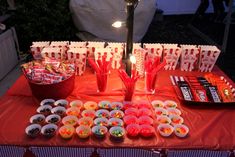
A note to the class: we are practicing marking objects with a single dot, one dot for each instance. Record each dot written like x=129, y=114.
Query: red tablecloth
x=209, y=128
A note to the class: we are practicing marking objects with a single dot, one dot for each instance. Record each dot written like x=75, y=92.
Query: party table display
x=139, y=118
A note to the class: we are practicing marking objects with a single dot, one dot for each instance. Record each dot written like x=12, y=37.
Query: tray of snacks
x=209, y=90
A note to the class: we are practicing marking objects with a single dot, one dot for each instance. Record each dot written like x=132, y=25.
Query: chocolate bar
x=186, y=92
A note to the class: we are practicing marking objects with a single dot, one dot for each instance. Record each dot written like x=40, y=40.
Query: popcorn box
x=140, y=58
x=77, y=44
x=153, y=50
x=208, y=57
x=92, y=46
x=117, y=50
x=171, y=53
x=189, y=57
x=36, y=48
x=103, y=52
x=136, y=47
x=52, y=52
x=78, y=57
x=63, y=45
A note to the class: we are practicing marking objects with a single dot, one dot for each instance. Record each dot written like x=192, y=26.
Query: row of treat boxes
x=187, y=57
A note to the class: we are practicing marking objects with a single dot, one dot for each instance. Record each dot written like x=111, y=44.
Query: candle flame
x=132, y=59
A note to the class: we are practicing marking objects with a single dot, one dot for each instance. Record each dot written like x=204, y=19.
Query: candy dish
x=157, y=103
x=104, y=105
x=163, y=120
x=37, y=119
x=170, y=104
x=73, y=111
x=90, y=105
x=133, y=130
x=131, y=111
x=61, y=111
x=144, y=112
x=99, y=131
x=116, y=106
x=49, y=130
x=47, y=102
x=102, y=113
x=83, y=131
x=161, y=112
x=33, y=130
x=165, y=130
x=88, y=113
x=181, y=130
x=146, y=130
x=70, y=120
x=130, y=120
x=101, y=122
x=117, y=133
x=61, y=102
x=76, y=103
x=115, y=122
x=173, y=111
x=175, y=119
x=53, y=118
x=66, y=131
x=86, y=121
x=116, y=114
x=145, y=120
x=45, y=110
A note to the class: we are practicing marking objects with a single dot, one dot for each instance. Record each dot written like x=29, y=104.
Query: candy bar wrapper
x=208, y=57
x=37, y=47
x=77, y=44
x=52, y=52
x=171, y=53
x=92, y=46
x=103, y=52
x=78, y=57
x=153, y=50
x=140, y=58
x=189, y=57
x=117, y=50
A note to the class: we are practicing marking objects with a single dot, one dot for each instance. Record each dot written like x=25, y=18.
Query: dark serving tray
x=202, y=104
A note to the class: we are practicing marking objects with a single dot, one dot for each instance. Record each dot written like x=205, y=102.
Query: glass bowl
x=99, y=131
x=37, y=119
x=165, y=130
x=116, y=114
x=101, y=122
x=90, y=105
x=61, y=102
x=88, y=113
x=70, y=120
x=49, y=130
x=133, y=130
x=33, y=130
x=86, y=121
x=66, y=131
x=130, y=120
x=83, y=131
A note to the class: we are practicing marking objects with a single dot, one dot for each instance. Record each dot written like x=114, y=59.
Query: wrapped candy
x=208, y=57
x=189, y=57
x=37, y=47
x=171, y=53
